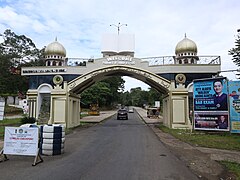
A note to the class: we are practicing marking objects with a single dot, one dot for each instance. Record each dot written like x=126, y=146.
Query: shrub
x=26, y=120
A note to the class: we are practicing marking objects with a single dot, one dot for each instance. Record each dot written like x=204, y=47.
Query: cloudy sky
x=158, y=25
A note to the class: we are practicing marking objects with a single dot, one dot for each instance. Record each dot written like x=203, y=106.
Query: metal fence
x=153, y=61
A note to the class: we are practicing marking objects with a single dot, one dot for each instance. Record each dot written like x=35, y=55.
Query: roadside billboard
x=210, y=98
x=234, y=105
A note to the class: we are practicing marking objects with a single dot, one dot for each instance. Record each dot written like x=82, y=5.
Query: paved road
x=112, y=150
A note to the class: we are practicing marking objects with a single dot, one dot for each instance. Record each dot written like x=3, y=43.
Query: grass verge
x=232, y=167
x=216, y=140
x=8, y=122
x=219, y=140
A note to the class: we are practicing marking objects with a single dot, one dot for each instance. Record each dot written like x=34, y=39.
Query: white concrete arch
x=82, y=82
x=44, y=88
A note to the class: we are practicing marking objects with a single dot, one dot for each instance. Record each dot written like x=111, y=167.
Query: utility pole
x=118, y=26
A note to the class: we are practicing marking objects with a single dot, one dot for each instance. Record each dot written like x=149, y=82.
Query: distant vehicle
x=131, y=109
x=153, y=112
x=122, y=114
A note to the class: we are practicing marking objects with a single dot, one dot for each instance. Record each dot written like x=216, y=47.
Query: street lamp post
x=118, y=26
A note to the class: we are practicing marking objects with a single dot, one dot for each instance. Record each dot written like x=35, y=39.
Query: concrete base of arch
x=64, y=109
x=176, y=109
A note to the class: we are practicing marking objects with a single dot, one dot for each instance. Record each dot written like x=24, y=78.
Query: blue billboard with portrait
x=210, y=98
x=234, y=105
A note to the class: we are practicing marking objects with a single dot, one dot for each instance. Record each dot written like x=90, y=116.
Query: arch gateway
x=54, y=89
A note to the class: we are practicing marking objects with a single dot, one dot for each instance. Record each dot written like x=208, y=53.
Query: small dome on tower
x=55, y=48
x=186, y=45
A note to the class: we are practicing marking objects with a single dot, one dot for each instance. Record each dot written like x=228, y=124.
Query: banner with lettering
x=21, y=141
x=210, y=98
x=234, y=105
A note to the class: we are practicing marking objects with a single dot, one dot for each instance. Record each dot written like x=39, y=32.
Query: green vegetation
x=104, y=93
x=8, y=122
x=26, y=120
x=212, y=140
x=232, y=167
x=206, y=139
x=235, y=52
x=14, y=50
x=139, y=97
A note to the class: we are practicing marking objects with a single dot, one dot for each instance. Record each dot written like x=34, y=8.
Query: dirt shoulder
x=199, y=162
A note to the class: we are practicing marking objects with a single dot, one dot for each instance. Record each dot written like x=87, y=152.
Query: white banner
x=2, y=105
x=21, y=141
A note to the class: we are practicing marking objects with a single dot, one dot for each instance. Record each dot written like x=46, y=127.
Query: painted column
x=179, y=107
x=32, y=103
x=59, y=104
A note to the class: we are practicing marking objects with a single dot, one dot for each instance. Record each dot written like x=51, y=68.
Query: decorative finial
x=185, y=35
x=56, y=38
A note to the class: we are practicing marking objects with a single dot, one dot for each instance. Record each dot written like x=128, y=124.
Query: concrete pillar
x=32, y=102
x=73, y=111
x=59, y=105
x=176, y=110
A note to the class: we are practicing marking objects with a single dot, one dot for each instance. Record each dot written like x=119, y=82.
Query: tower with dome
x=186, y=52
x=55, y=54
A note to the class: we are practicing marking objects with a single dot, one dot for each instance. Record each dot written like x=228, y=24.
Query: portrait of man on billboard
x=220, y=98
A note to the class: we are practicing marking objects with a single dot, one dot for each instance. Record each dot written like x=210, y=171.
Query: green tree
x=154, y=95
x=235, y=52
x=136, y=96
x=139, y=97
x=19, y=47
x=106, y=92
x=16, y=51
x=116, y=84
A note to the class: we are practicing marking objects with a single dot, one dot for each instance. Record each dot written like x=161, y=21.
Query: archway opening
x=82, y=83
x=44, y=103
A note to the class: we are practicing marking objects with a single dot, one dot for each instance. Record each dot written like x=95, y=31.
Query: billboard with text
x=210, y=98
x=234, y=105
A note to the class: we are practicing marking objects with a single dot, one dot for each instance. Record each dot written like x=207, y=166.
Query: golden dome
x=55, y=48
x=186, y=45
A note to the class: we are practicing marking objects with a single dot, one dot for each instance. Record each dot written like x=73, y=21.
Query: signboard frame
x=21, y=141
x=210, y=104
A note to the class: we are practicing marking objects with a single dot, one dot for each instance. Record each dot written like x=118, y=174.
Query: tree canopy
x=16, y=51
x=235, y=52
x=109, y=92
x=105, y=93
